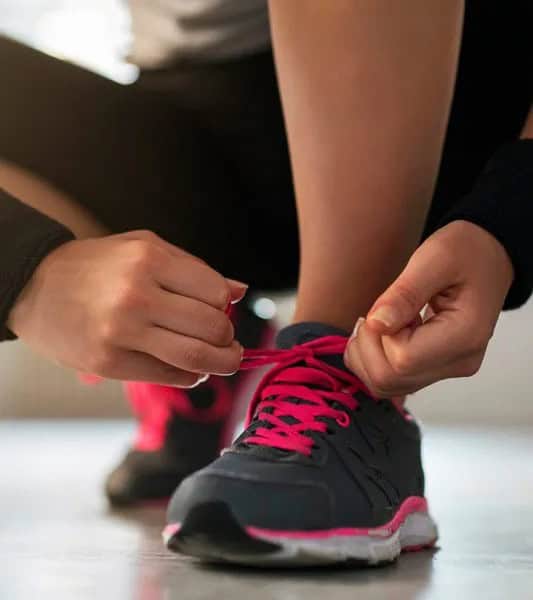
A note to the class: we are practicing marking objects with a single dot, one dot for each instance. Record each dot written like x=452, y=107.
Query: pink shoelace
x=314, y=382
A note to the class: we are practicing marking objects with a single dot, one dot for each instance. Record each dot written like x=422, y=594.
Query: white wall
x=500, y=393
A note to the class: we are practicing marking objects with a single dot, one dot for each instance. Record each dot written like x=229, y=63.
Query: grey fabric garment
x=169, y=31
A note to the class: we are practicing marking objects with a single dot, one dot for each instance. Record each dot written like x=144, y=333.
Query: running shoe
x=323, y=473
x=180, y=431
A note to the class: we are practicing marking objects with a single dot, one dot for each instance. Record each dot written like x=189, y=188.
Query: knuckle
x=235, y=360
x=109, y=331
x=222, y=297
x=378, y=392
x=137, y=235
x=220, y=330
x=102, y=362
x=127, y=297
x=194, y=357
x=145, y=234
x=141, y=254
x=349, y=356
x=382, y=380
x=220, y=294
x=352, y=358
x=408, y=293
x=402, y=362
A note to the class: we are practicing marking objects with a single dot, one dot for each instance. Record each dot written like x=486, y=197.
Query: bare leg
x=44, y=197
x=366, y=89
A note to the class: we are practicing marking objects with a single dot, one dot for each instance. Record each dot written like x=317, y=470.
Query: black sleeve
x=502, y=203
x=26, y=237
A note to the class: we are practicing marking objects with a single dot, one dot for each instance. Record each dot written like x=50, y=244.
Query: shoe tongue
x=300, y=333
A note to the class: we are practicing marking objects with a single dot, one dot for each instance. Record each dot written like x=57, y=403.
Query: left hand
x=463, y=274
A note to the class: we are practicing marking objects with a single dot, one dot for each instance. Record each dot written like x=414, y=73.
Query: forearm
x=26, y=237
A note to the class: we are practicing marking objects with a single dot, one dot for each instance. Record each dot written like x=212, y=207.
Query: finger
x=380, y=377
x=191, y=354
x=352, y=359
x=233, y=291
x=191, y=318
x=137, y=366
x=427, y=273
x=238, y=290
x=196, y=280
x=442, y=340
x=397, y=377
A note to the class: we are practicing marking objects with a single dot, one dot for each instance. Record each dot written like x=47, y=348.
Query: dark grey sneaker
x=323, y=473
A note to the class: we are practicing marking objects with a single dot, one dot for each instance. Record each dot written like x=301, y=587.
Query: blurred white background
x=94, y=33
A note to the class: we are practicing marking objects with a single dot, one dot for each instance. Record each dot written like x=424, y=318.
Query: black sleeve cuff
x=502, y=203
x=26, y=237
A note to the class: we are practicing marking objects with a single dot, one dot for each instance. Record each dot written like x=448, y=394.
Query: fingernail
x=241, y=289
x=200, y=380
x=384, y=314
x=238, y=284
x=358, y=324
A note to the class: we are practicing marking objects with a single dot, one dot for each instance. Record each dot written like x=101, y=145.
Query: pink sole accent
x=409, y=506
x=170, y=531
x=420, y=547
x=413, y=504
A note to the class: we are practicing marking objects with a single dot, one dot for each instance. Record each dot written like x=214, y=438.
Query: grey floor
x=59, y=540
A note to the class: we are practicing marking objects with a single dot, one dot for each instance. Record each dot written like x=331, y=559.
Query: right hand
x=131, y=307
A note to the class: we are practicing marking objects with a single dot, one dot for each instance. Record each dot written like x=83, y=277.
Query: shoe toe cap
x=283, y=503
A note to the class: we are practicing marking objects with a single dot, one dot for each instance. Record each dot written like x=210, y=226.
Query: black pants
x=198, y=154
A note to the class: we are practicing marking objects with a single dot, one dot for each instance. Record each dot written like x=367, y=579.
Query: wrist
x=22, y=307
x=500, y=202
x=473, y=238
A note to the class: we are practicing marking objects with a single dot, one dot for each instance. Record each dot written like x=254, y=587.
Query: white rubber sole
x=417, y=532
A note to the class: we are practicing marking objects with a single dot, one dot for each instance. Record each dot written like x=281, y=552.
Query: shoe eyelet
x=343, y=420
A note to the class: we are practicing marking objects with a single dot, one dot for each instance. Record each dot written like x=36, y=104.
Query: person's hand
x=130, y=306
x=463, y=273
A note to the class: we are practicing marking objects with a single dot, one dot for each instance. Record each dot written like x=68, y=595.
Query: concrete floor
x=60, y=541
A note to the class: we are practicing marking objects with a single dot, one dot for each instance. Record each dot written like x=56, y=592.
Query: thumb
x=428, y=272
